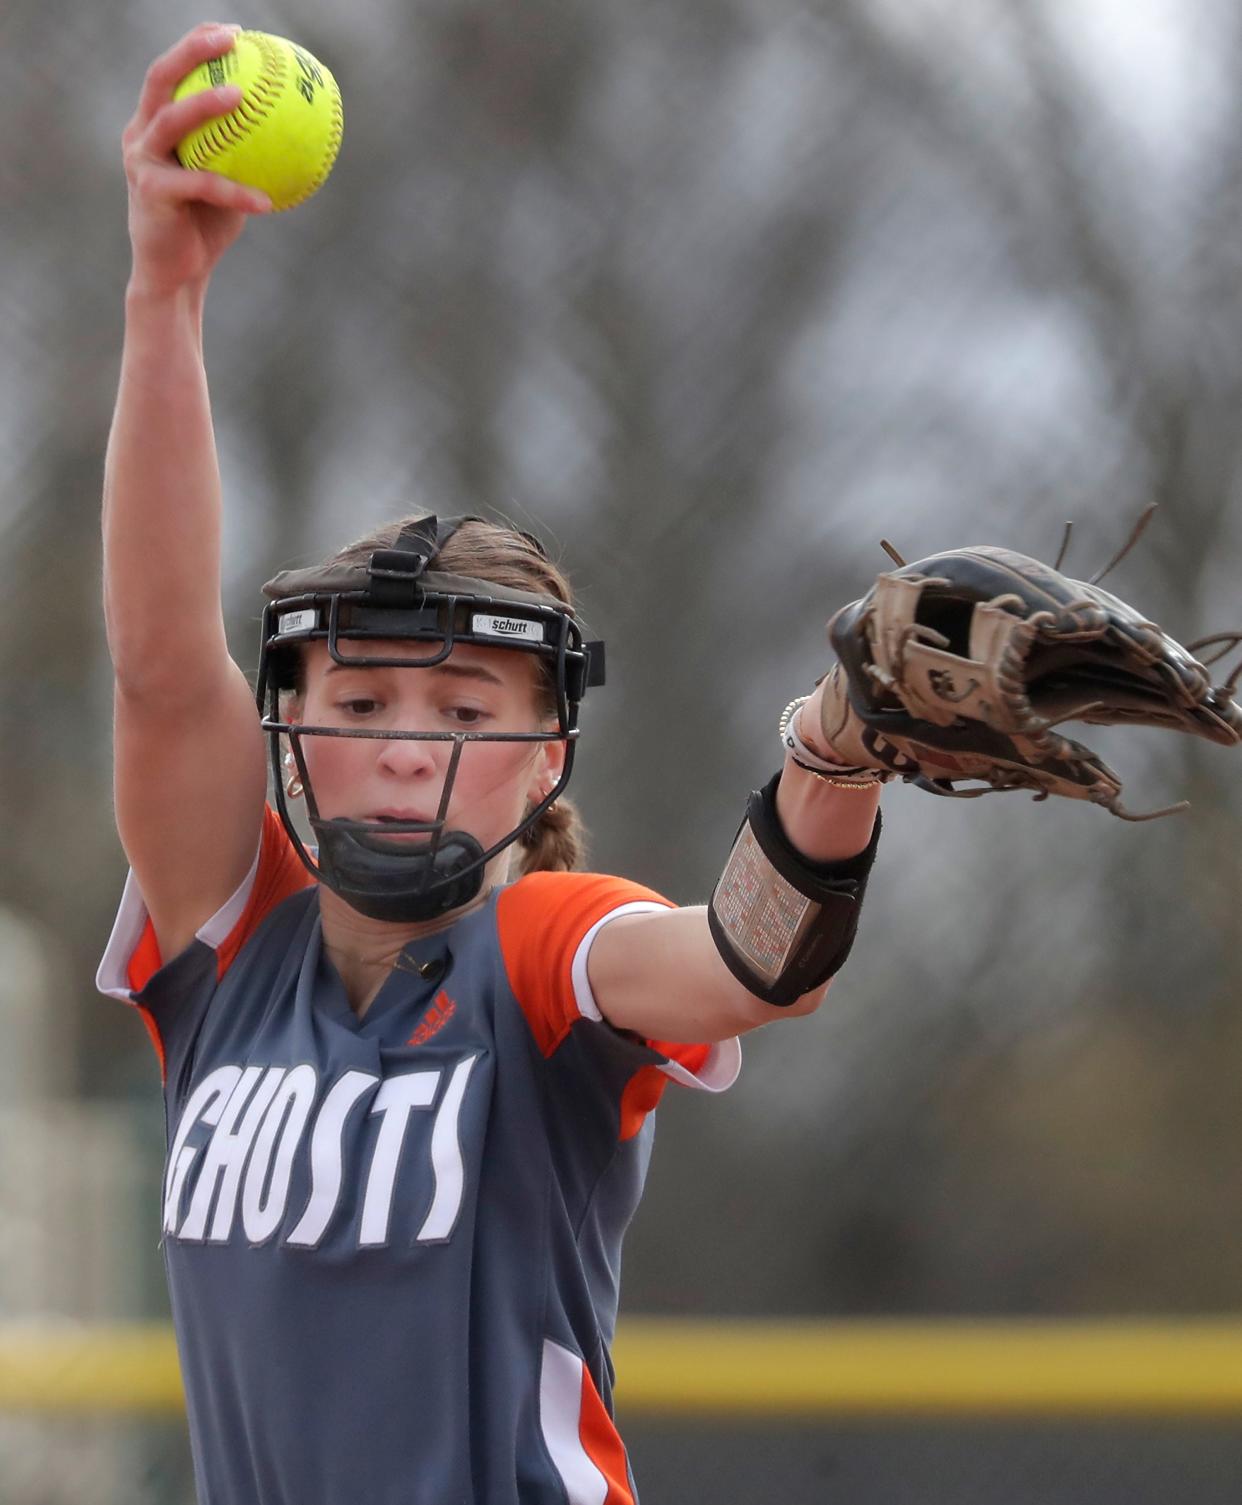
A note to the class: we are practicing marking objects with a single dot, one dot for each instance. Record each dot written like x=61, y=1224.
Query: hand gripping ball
x=284, y=135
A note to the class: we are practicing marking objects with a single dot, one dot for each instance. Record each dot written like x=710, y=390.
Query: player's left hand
x=958, y=668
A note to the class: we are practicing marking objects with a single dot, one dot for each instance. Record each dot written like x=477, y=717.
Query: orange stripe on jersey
x=542, y=920
x=281, y=873
x=645, y=1088
x=641, y=1096
x=145, y=961
x=602, y=1444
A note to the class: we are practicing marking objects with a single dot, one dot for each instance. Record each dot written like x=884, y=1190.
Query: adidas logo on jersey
x=434, y=1020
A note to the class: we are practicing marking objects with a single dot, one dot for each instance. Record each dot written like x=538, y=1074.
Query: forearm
x=824, y=820
x=668, y=976
x=161, y=510
x=784, y=914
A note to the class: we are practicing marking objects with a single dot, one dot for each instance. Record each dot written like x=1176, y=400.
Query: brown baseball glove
x=958, y=668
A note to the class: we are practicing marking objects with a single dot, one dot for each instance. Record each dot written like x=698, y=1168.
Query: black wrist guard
x=784, y=925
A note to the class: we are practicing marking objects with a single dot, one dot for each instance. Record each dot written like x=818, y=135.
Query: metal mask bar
x=295, y=731
x=382, y=661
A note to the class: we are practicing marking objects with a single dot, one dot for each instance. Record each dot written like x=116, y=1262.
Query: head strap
x=396, y=576
x=415, y=547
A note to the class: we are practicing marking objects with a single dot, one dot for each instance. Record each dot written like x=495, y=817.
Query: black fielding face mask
x=395, y=597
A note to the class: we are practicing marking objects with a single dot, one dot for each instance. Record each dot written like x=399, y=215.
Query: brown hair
x=488, y=551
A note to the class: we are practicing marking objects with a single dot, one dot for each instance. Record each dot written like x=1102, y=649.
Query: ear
x=290, y=710
x=292, y=705
x=546, y=769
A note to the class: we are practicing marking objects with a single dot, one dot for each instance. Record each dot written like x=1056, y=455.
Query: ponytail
x=556, y=843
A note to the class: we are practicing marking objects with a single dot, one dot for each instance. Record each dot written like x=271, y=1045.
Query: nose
x=408, y=758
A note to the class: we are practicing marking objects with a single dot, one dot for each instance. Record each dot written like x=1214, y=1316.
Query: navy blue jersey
x=393, y=1242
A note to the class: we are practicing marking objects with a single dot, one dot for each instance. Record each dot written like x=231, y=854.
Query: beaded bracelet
x=839, y=775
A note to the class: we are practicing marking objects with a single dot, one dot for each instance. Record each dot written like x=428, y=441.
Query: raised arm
x=190, y=773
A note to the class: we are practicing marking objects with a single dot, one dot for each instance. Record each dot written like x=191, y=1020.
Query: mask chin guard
x=394, y=886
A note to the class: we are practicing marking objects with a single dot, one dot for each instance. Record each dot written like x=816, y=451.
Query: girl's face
x=474, y=689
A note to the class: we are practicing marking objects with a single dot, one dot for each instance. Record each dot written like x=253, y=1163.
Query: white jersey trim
x=112, y=977
x=560, y=1418
x=724, y=1059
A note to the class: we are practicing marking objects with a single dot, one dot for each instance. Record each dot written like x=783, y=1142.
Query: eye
x=467, y=715
x=359, y=705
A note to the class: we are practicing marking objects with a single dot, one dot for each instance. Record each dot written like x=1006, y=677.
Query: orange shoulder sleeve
x=542, y=920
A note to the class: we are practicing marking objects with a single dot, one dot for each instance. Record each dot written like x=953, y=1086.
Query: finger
x=211, y=39
x=179, y=185
x=178, y=119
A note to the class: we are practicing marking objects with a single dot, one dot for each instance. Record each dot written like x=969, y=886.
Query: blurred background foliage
x=712, y=296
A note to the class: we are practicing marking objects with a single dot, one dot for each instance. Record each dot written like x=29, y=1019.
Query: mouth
x=399, y=827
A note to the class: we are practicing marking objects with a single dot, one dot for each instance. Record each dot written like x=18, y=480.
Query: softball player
x=409, y=1063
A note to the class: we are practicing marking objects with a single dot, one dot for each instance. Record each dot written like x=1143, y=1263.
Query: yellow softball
x=284, y=135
